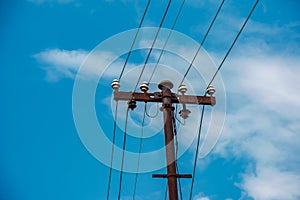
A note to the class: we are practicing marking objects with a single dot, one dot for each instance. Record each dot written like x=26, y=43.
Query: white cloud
x=272, y=184
x=60, y=63
x=200, y=196
x=262, y=124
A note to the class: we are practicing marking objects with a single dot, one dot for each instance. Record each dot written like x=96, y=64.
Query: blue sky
x=43, y=44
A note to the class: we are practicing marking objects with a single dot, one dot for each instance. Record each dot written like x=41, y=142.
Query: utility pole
x=167, y=98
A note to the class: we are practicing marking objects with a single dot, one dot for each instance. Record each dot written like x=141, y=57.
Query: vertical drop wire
x=123, y=153
x=197, y=151
x=140, y=150
x=176, y=152
x=112, y=150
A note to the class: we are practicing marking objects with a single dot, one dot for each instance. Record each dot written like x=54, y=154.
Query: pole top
x=165, y=83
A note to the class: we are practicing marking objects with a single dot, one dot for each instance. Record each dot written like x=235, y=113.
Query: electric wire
x=156, y=113
x=179, y=183
x=197, y=151
x=176, y=152
x=153, y=43
x=202, y=112
x=202, y=42
x=166, y=192
x=182, y=123
x=175, y=135
x=146, y=61
x=134, y=40
x=140, y=150
x=123, y=153
x=166, y=42
x=112, y=150
x=236, y=38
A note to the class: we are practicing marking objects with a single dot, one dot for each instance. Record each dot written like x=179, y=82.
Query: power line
x=123, y=152
x=203, y=40
x=140, y=150
x=166, y=192
x=153, y=43
x=156, y=113
x=112, y=150
x=134, y=40
x=237, y=36
x=179, y=183
x=202, y=112
x=166, y=42
x=126, y=122
x=197, y=151
x=176, y=152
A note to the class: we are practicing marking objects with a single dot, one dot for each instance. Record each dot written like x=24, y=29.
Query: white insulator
x=144, y=86
x=210, y=90
x=115, y=84
x=182, y=89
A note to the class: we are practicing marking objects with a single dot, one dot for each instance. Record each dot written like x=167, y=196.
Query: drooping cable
x=166, y=42
x=197, y=151
x=179, y=121
x=236, y=38
x=175, y=135
x=153, y=43
x=140, y=150
x=112, y=150
x=123, y=153
x=134, y=40
x=202, y=42
x=156, y=113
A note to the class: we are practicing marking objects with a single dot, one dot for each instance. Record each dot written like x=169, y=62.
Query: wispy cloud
x=201, y=196
x=262, y=124
x=60, y=63
x=269, y=183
